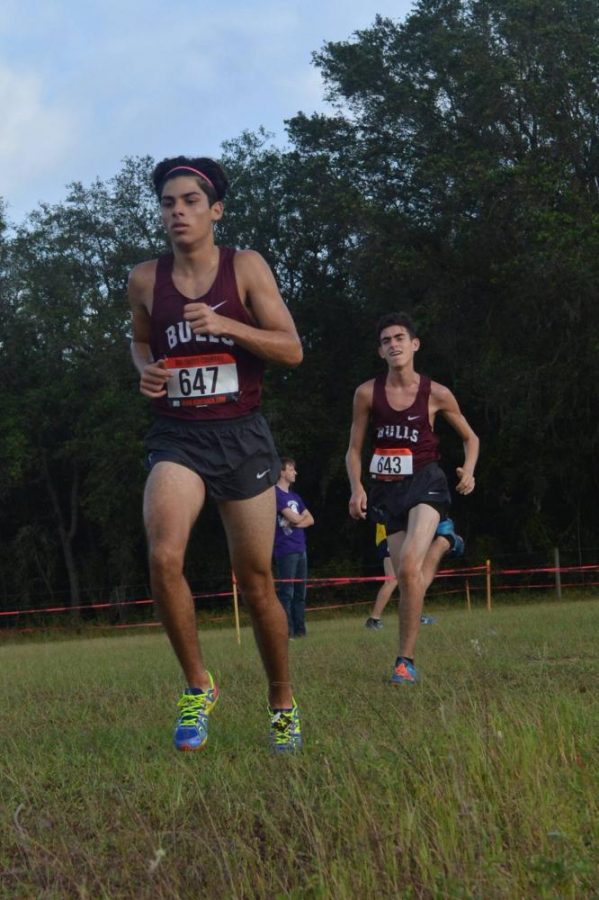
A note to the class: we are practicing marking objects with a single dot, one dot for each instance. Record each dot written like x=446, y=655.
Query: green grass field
x=481, y=782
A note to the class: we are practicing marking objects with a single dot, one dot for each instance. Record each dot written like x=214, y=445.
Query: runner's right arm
x=353, y=459
x=153, y=375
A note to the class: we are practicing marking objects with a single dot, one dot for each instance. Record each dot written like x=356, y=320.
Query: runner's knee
x=257, y=589
x=165, y=560
x=409, y=570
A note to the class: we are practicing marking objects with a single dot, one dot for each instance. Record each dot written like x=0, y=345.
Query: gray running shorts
x=235, y=458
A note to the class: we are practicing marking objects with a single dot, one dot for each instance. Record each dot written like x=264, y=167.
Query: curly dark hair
x=215, y=188
x=395, y=318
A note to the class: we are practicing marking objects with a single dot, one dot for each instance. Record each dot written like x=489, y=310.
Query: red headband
x=191, y=169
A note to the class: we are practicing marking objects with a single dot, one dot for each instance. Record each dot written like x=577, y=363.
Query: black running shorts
x=390, y=502
x=235, y=458
x=382, y=550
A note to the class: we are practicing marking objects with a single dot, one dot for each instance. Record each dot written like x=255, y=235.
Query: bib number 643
x=391, y=463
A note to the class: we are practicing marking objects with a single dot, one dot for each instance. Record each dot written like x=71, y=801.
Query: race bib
x=391, y=465
x=202, y=380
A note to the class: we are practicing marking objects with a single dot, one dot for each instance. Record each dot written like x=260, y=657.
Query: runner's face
x=397, y=347
x=186, y=211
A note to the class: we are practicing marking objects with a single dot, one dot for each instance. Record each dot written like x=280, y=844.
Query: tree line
x=456, y=178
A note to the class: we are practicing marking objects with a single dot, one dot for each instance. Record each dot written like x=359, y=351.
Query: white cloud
x=35, y=135
x=82, y=85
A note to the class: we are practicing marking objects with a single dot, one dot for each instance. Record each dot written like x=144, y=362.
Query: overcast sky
x=84, y=84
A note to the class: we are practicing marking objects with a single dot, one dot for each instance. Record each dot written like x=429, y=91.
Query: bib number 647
x=202, y=380
x=198, y=381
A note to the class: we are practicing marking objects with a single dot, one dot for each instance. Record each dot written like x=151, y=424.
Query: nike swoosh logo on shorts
x=262, y=474
x=433, y=492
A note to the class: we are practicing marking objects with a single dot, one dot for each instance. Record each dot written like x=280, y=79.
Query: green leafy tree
x=73, y=418
x=471, y=133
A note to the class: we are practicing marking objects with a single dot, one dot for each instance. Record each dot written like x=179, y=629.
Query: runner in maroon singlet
x=409, y=493
x=205, y=321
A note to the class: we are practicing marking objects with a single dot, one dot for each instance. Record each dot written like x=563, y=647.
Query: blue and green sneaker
x=404, y=672
x=285, y=729
x=446, y=529
x=191, y=731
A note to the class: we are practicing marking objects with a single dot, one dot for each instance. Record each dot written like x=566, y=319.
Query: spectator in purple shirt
x=291, y=561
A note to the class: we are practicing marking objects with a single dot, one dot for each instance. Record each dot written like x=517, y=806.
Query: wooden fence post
x=236, y=608
x=558, y=574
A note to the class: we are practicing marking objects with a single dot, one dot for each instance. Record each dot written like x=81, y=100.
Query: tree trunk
x=67, y=532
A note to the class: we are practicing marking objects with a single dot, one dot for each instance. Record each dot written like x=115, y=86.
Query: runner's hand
x=358, y=503
x=203, y=320
x=153, y=380
x=466, y=481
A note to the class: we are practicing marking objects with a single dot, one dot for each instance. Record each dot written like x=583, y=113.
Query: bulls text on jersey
x=181, y=333
x=399, y=432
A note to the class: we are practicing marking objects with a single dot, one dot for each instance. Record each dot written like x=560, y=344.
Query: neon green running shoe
x=285, y=729
x=191, y=731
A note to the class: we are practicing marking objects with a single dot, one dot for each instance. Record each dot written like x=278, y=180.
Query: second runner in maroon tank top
x=212, y=378
x=407, y=431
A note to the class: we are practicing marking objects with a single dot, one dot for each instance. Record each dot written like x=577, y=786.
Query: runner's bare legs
x=408, y=551
x=250, y=525
x=173, y=499
x=386, y=589
x=432, y=561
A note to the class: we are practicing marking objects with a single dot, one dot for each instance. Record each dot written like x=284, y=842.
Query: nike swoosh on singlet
x=412, y=418
x=222, y=303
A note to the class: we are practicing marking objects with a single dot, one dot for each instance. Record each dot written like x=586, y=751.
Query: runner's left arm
x=273, y=337
x=446, y=404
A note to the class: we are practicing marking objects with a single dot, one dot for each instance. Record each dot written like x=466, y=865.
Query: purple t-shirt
x=288, y=539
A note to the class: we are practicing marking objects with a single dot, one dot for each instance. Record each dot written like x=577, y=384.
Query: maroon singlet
x=171, y=336
x=408, y=428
